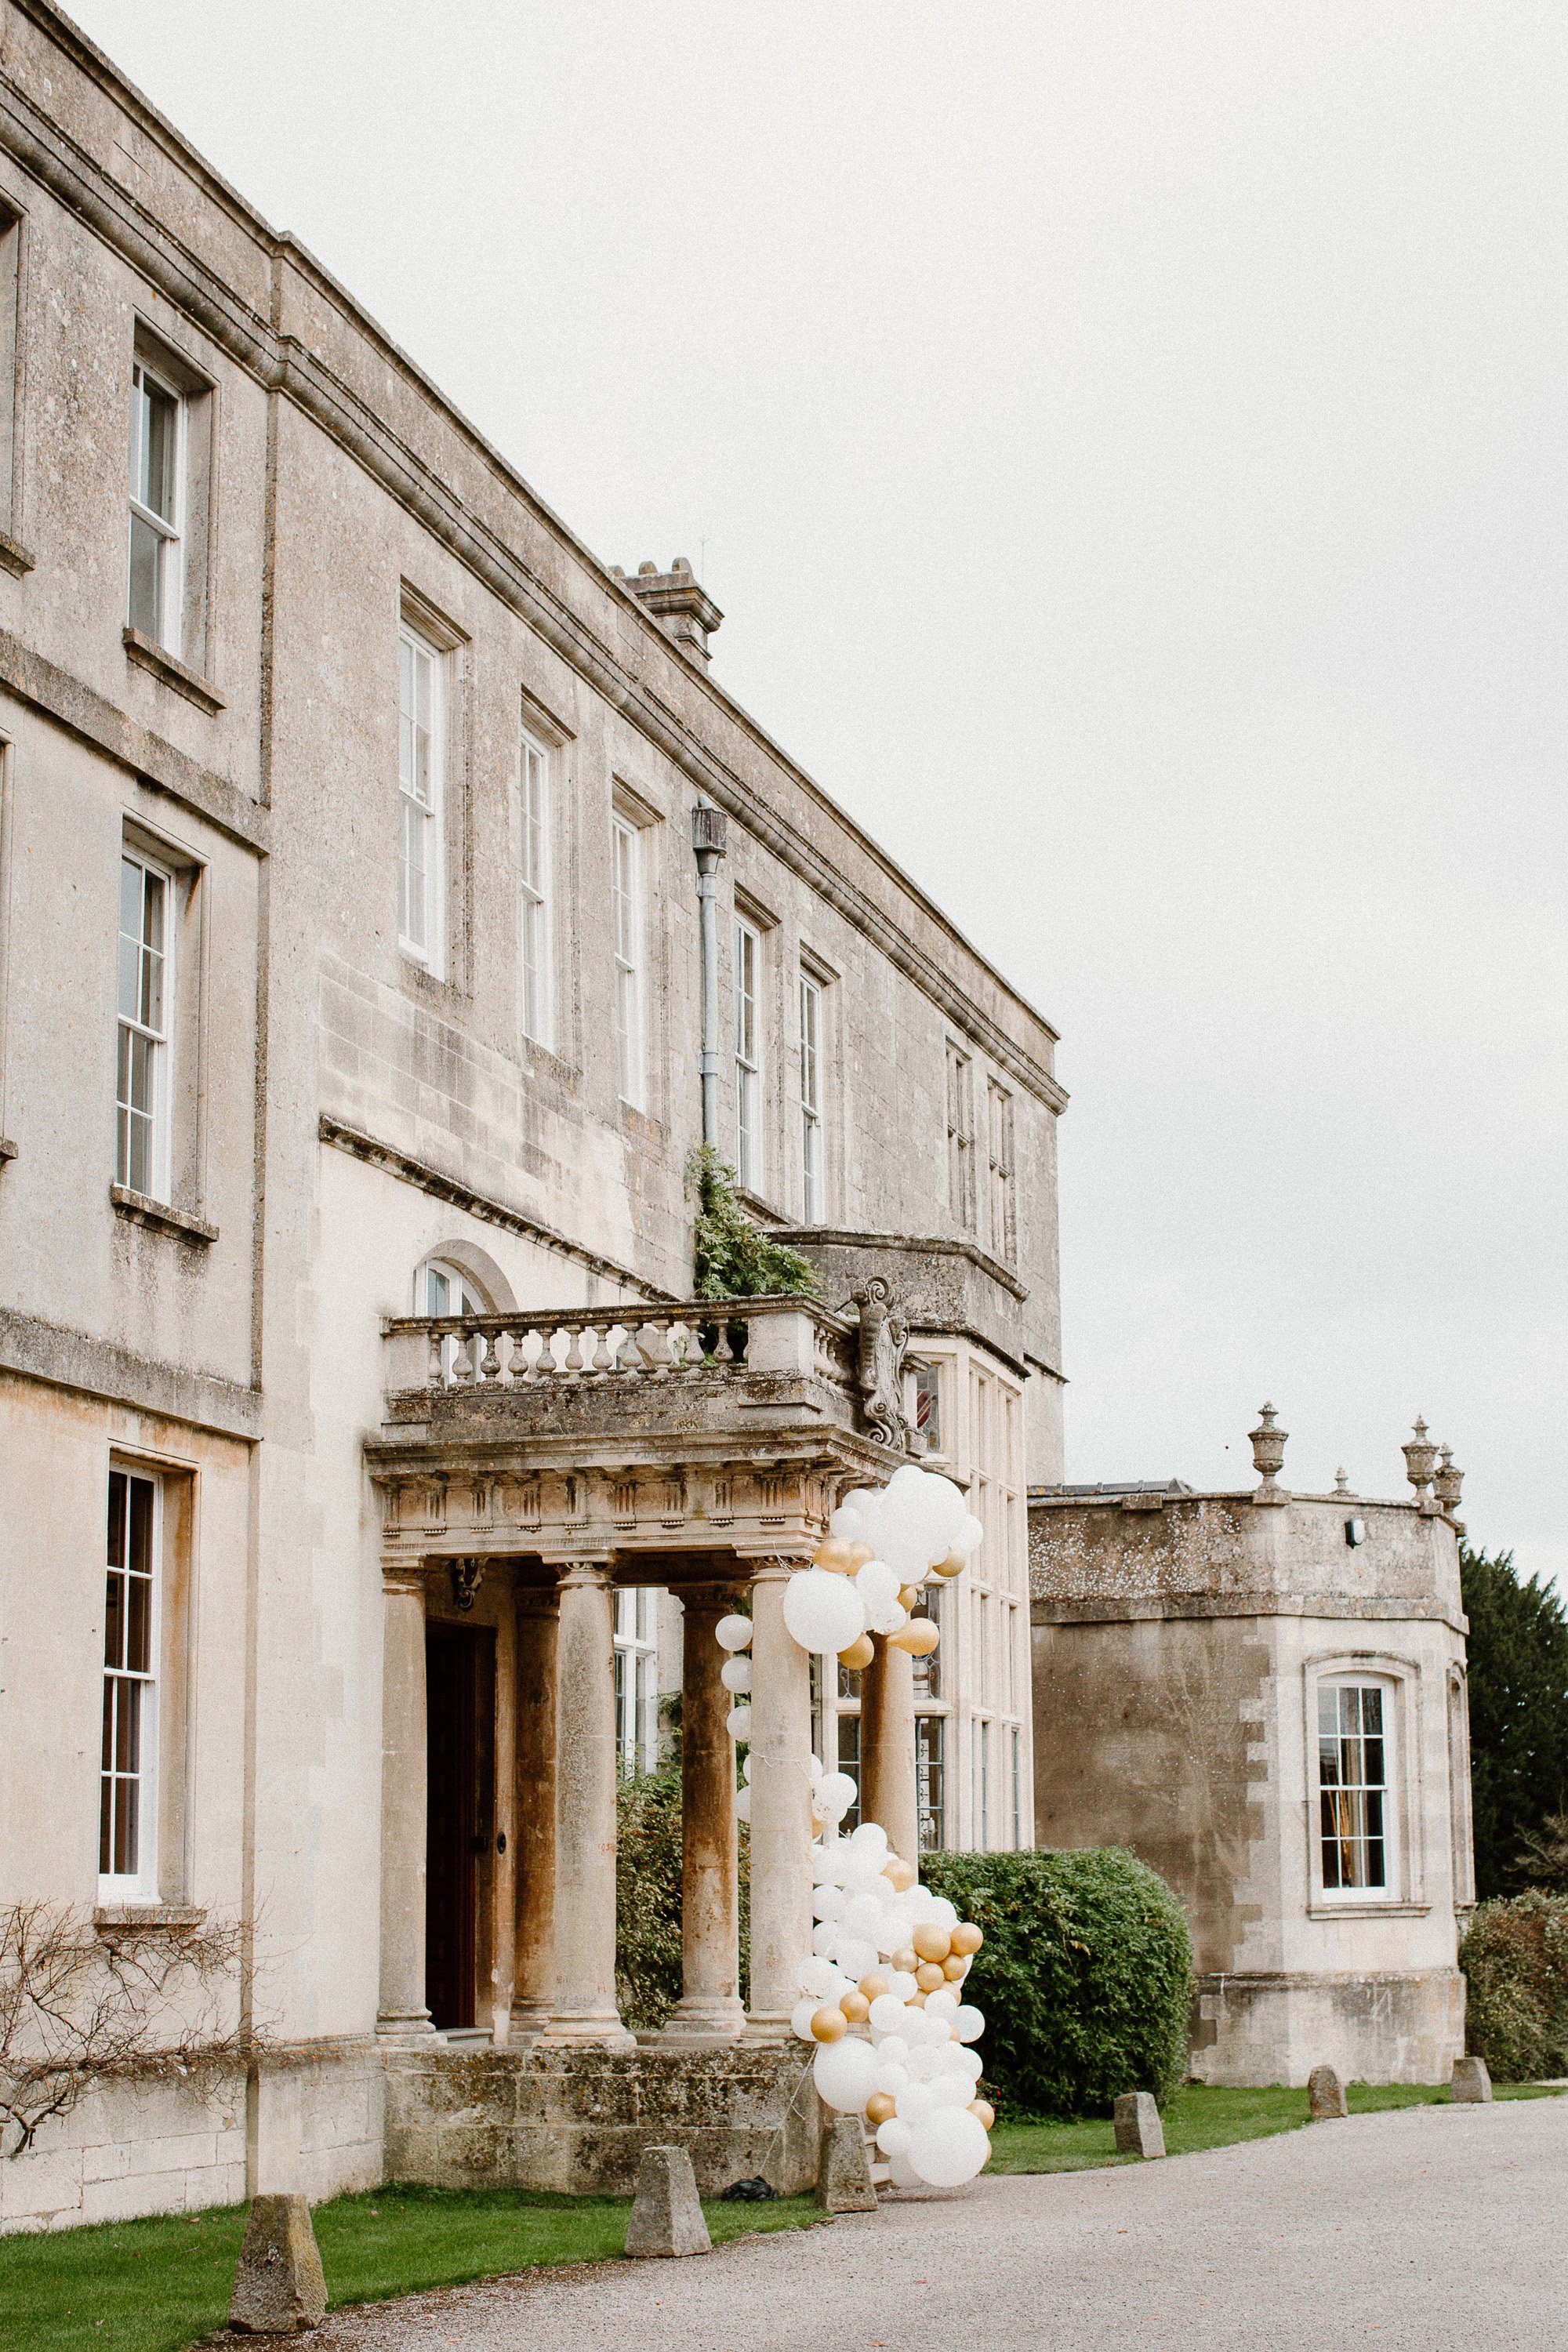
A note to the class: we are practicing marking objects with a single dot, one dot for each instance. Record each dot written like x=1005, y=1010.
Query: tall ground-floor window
x=636, y=1678
x=849, y=1762
x=1353, y=1785
x=127, y=1820
x=928, y=1789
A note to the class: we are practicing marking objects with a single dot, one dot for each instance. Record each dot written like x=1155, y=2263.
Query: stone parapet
x=577, y=2121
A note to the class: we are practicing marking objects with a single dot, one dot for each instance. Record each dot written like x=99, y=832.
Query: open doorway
x=460, y=1678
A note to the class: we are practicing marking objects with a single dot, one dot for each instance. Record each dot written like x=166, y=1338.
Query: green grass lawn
x=1198, y=2118
x=157, y=2285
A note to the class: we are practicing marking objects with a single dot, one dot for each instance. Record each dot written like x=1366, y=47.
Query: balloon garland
x=882, y=1987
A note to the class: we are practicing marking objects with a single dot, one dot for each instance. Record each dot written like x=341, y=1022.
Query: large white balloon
x=735, y=1674
x=801, y=2015
x=846, y=2074
x=902, y=2172
x=893, y=2137
x=855, y=1956
x=969, y=2022
x=887, y=2015
x=876, y=1584
x=948, y=2147
x=817, y=1976
x=733, y=1632
x=916, y=2102
x=823, y=1613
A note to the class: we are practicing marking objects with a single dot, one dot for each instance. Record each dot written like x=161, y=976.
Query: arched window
x=441, y=1288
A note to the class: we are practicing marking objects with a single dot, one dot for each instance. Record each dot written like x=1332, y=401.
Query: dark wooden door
x=461, y=1683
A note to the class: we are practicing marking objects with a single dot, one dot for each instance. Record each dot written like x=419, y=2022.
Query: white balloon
x=915, y=2103
x=969, y=1536
x=890, y=1619
x=952, y=2090
x=876, y=1584
x=894, y=2051
x=943, y=1914
x=887, y=2015
x=921, y=2064
x=823, y=1613
x=838, y=1791
x=941, y=2004
x=971, y=2061
x=969, y=2022
x=902, y=1986
x=863, y=1917
x=816, y=1976
x=742, y=1804
x=893, y=2137
x=949, y=2147
x=827, y=1902
x=737, y=1722
x=745, y=1768
x=891, y=2080
x=801, y=2015
x=844, y=2073
x=735, y=1674
x=856, y=1957
x=824, y=1937
x=870, y=1838
x=733, y=1632
x=902, y=2172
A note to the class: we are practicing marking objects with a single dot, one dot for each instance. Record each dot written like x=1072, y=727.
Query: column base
x=769, y=2028
x=529, y=2019
x=599, y=2029
x=395, y=2029
x=703, y=2018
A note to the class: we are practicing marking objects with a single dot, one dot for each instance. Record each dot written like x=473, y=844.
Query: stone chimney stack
x=683, y=610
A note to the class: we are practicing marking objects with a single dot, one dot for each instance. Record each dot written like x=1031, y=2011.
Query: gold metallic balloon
x=829, y=2025
x=907, y=1595
x=859, y=1553
x=833, y=1553
x=906, y=1960
x=955, y=1969
x=966, y=1937
x=874, y=1986
x=919, y=1637
x=855, y=2007
x=859, y=1655
x=954, y=1564
x=928, y=1975
x=984, y=2110
x=880, y=2108
x=932, y=1942
x=901, y=1876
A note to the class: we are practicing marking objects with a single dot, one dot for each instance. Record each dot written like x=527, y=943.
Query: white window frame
x=1390, y=1691
x=636, y=1678
x=169, y=529
x=627, y=926
x=748, y=944
x=535, y=925
x=999, y=1154
x=1017, y=1746
x=470, y=1300
x=812, y=1172
x=140, y=1884
x=421, y=819
x=960, y=1082
x=159, y=1040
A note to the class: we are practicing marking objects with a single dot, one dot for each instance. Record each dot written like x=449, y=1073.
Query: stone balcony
x=726, y=1426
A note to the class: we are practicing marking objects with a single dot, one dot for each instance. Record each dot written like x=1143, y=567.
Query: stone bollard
x=667, y=2217
x=1139, y=2131
x=843, y=2174
x=279, y=2289
x=1325, y=2095
x=1471, y=2081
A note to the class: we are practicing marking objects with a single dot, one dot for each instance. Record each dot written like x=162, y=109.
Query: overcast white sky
x=1128, y=443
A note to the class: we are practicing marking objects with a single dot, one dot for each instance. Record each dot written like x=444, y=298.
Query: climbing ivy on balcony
x=733, y=1257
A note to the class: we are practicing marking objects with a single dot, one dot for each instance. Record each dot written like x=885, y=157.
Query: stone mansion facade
x=386, y=883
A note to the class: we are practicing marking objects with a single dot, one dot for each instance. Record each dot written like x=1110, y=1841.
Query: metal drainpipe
x=708, y=830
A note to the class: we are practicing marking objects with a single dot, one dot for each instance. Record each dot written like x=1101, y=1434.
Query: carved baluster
x=653, y=1346
x=601, y=1336
x=573, y=1364
x=489, y=1362
x=627, y=1353
x=436, y=1376
x=723, y=1351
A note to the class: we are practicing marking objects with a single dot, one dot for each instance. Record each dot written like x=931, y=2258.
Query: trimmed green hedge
x=1515, y=1960
x=1085, y=1977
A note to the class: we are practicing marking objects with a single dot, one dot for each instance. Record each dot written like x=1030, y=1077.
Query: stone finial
x=278, y=2287
x=1325, y=2096
x=1420, y=1460
x=1342, y=1485
x=1139, y=2131
x=842, y=2175
x=1268, y=1456
x=666, y=2214
x=1472, y=2081
x=1449, y=1486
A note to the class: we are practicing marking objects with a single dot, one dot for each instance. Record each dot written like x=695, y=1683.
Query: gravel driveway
x=1433, y=2229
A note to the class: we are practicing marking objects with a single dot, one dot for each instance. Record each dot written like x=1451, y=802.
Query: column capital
x=773, y=1566
x=580, y=1567
x=404, y=1579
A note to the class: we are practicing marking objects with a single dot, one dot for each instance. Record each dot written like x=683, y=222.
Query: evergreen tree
x=1519, y=1717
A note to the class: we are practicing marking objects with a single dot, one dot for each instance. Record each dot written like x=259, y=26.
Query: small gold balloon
x=829, y=2025
x=984, y=2110
x=919, y=1637
x=916, y=2001
x=906, y=1960
x=880, y=2108
x=955, y=1969
x=874, y=1986
x=833, y=1554
x=928, y=1975
x=932, y=1942
x=859, y=1553
x=966, y=1937
x=900, y=1876
x=859, y=1655
x=954, y=1564
x=907, y=1595
x=855, y=2007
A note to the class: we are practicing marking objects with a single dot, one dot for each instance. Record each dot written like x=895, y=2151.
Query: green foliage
x=1543, y=1856
x=1085, y=1977
x=1518, y=1715
x=647, y=1897
x=735, y=1257
x=1515, y=1960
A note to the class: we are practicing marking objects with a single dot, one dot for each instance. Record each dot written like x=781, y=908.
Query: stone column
x=781, y=1805
x=710, y=2003
x=585, y=2008
x=533, y=1810
x=403, y=2016
x=887, y=1792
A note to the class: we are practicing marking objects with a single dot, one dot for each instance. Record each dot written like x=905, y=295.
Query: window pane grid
x=810, y=1099
x=128, y=1647
x=155, y=584
x=748, y=1072
x=143, y=991
x=637, y=1679
x=535, y=941
x=1352, y=1782
x=929, y=1738
x=418, y=771
x=628, y=1005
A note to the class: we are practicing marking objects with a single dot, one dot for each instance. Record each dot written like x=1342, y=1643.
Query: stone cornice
x=1102, y=1610
x=282, y=363
x=74, y=1360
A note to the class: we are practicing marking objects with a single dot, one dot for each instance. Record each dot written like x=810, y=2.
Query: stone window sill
x=172, y=1919
x=13, y=556
x=159, y=1216
x=148, y=654
x=1368, y=1910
